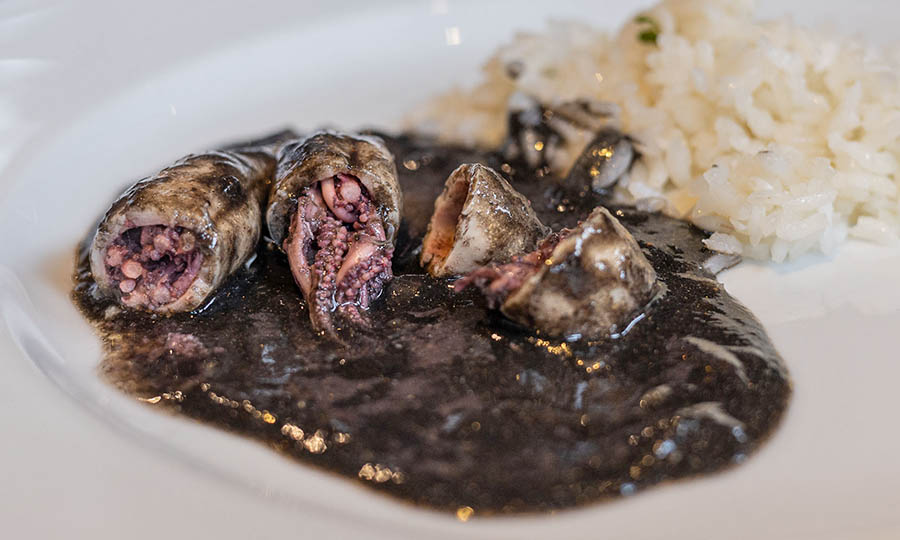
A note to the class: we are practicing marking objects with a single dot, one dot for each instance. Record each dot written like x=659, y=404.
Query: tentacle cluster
x=498, y=281
x=338, y=250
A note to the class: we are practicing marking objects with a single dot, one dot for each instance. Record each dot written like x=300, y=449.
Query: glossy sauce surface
x=447, y=404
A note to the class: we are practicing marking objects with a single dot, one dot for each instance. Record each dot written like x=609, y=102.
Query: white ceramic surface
x=94, y=94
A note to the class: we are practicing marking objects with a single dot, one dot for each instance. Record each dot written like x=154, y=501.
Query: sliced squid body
x=478, y=219
x=590, y=281
x=551, y=137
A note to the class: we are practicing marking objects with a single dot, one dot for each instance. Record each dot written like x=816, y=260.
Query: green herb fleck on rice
x=650, y=29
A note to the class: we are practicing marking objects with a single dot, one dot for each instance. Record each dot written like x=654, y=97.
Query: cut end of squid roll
x=339, y=236
x=153, y=268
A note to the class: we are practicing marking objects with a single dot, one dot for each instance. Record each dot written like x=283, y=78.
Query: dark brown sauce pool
x=446, y=404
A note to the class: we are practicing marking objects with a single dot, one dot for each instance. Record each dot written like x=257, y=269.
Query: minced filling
x=153, y=265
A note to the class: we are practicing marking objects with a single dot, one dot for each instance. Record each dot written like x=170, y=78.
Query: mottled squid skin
x=304, y=162
x=589, y=281
x=335, y=209
x=478, y=219
x=551, y=139
x=217, y=196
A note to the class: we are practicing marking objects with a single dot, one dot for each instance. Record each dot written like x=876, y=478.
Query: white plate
x=94, y=95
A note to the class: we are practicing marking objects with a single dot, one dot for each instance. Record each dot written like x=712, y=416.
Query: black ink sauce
x=449, y=405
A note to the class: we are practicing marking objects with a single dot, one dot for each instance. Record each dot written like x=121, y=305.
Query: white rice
x=782, y=139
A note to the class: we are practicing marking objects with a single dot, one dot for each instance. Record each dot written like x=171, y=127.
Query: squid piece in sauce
x=335, y=209
x=171, y=239
x=571, y=141
x=588, y=281
x=478, y=219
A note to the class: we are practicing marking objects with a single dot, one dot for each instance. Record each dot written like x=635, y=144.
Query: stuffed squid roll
x=171, y=239
x=335, y=210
